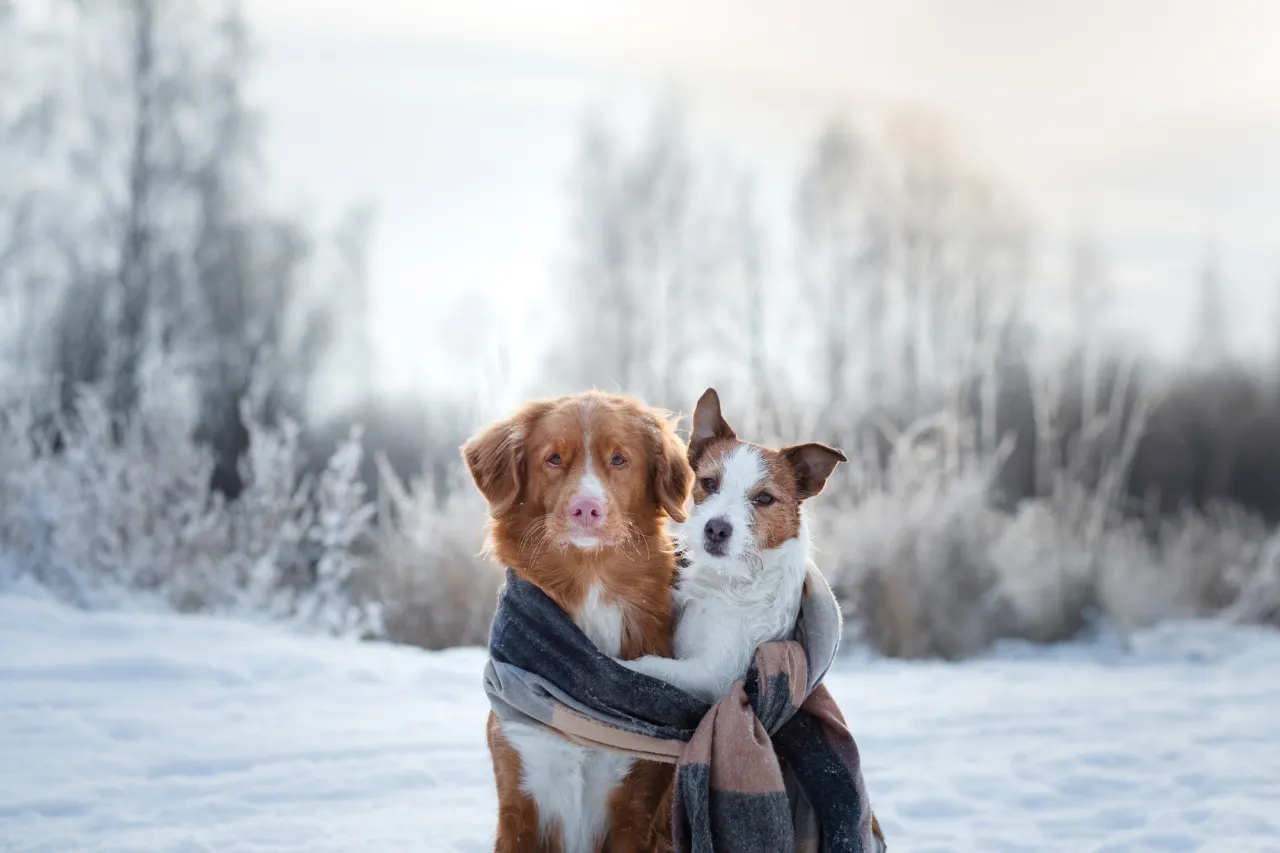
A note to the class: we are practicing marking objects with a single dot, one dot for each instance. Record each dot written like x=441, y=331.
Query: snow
x=150, y=732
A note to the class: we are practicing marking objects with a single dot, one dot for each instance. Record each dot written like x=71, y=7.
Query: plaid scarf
x=770, y=767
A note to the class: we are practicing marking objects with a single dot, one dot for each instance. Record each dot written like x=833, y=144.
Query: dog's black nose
x=717, y=531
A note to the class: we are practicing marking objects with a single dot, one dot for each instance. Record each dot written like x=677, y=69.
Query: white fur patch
x=723, y=617
x=602, y=623
x=742, y=469
x=570, y=784
x=589, y=486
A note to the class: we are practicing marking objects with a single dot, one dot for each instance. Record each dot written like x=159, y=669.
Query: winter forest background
x=192, y=415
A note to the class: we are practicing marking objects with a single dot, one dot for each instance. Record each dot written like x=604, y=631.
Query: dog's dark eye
x=709, y=484
x=617, y=460
x=764, y=499
x=554, y=460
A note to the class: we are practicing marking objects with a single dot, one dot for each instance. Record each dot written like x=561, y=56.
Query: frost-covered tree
x=631, y=269
x=28, y=111
x=913, y=265
x=664, y=248
x=961, y=259
x=842, y=234
x=141, y=221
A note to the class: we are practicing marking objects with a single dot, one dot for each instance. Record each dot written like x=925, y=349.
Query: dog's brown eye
x=554, y=460
x=709, y=484
x=764, y=499
x=617, y=461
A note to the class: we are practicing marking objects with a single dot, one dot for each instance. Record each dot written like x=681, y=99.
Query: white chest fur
x=722, y=618
x=602, y=623
x=570, y=784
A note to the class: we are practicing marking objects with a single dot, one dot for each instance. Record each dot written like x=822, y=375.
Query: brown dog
x=577, y=489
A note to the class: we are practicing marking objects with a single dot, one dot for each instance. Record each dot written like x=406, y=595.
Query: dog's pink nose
x=586, y=512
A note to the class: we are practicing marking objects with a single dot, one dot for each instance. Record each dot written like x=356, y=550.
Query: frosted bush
x=21, y=446
x=928, y=566
x=342, y=519
x=912, y=561
x=436, y=587
x=1045, y=569
x=1259, y=599
x=121, y=509
x=926, y=562
x=914, y=569
x=271, y=517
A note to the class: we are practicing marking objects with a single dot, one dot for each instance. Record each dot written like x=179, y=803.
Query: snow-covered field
x=140, y=732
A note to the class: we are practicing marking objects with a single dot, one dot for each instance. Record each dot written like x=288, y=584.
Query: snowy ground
x=161, y=733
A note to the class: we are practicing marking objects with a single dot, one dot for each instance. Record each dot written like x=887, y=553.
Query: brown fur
x=660, y=831
x=517, y=814
x=528, y=494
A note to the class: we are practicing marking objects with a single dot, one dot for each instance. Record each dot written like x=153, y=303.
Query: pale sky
x=1156, y=122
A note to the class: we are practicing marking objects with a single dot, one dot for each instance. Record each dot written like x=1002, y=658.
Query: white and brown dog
x=747, y=547
x=579, y=489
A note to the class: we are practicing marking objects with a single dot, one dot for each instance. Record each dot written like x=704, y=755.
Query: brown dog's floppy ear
x=495, y=459
x=672, y=476
x=708, y=424
x=813, y=464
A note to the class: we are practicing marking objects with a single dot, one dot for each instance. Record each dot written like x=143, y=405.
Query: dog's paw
x=650, y=665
